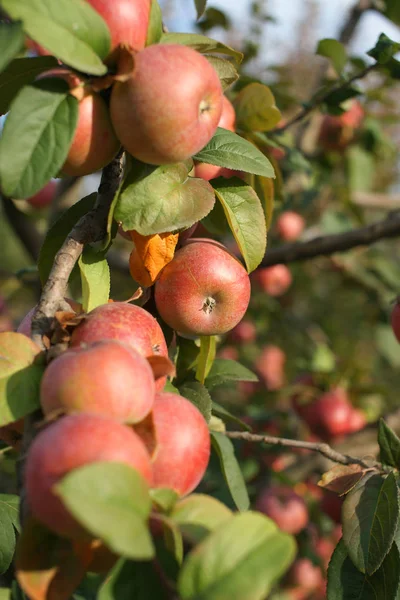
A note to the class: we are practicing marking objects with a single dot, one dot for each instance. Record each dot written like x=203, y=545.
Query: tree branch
x=320, y=447
x=329, y=244
x=353, y=20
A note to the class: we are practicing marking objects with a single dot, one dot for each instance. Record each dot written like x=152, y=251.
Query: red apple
x=305, y=574
x=285, y=507
x=45, y=197
x=270, y=364
x=324, y=548
x=183, y=444
x=72, y=442
x=127, y=20
x=170, y=107
x=229, y=353
x=357, y=421
x=26, y=324
x=354, y=116
x=244, y=332
x=107, y=378
x=337, y=132
x=274, y=280
x=290, y=225
x=204, y=290
x=332, y=412
x=395, y=320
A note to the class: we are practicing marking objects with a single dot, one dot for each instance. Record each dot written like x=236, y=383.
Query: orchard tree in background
x=139, y=457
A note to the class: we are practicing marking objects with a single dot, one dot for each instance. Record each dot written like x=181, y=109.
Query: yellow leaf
x=150, y=255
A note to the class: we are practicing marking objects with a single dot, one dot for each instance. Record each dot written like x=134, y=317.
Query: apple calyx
x=209, y=305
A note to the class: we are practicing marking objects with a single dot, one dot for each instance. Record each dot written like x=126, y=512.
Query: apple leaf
x=341, y=479
x=112, y=501
x=37, y=136
x=155, y=27
x=225, y=415
x=335, y=51
x=128, y=579
x=202, y=44
x=164, y=498
x=225, y=371
x=345, y=582
x=389, y=445
x=255, y=108
x=70, y=29
x=265, y=190
x=162, y=199
x=391, y=9
x=21, y=369
x=11, y=42
x=57, y=233
x=208, y=349
x=216, y=222
x=227, y=149
x=20, y=72
x=246, y=218
x=231, y=470
x=226, y=71
x=95, y=277
x=200, y=7
x=199, y=514
x=172, y=537
x=218, y=568
x=384, y=49
x=199, y=396
x=46, y=565
x=9, y=523
x=370, y=515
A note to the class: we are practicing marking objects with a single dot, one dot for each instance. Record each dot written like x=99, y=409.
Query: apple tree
x=136, y=475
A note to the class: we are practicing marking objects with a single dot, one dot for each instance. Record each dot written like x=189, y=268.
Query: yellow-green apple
x=170, y=107
x=69, y=443
x=290, y=225
x=108, y=378
x=44, y=197
x=285, y=507
x=274, y=280
x=183, y=444
x=204, y=290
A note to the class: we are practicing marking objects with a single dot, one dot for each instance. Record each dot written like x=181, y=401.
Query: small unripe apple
x=127, y=20
x=395, y=320
x=290, y=225
x=72, y=442
x=170, y=107
x=285, y=507
x=107, y=378
x=274, y=280
x=183, y=444
x=44, y=197
x=204, y=290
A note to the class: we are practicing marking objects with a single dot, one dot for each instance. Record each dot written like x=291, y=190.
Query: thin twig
x=329, y=244
x=320, y=447
x=350, y=25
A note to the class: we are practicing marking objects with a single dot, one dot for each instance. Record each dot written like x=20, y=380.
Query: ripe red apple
x=170, y=108
x=108, y=378
x=332, y=413
x=244, y=332
x=229, y=353
x=26, y=324
x=274, y=280
x=395, y=320
x=183, y=444
x=44, y=197
x=72, y=442
x=305, y=574
x=270, y=365
x=357, y=421
x=354, y=116
x=290, y=225
x=204, y=290
x=285, y=507
x=337, y=132
x=127, y=20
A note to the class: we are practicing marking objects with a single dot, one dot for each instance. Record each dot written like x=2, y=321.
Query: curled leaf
x=150, y=255
x=342, y=478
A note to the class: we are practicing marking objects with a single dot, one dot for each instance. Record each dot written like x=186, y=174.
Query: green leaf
x=58, y=232
x=345, y=582
x=227, y=72
x=208, y=349
x=112, y=501
x=227, y=149
x=219, y=568
x=389, y=445
x=9, y=522
x=20, y=374
x=161, y=199
x=200, y=7
x=11, y=42
x=335, y=51
x=255, y=108
x=225, y=415
x=36, y=138
x=5, y=594
x=188, y=353
x=246, y=218
x=199, y=396
x=391, y=10
x=20, y=72
x=155, y=28
x=199, y=514
x=95, y=277
x=135, y=580
x=224, y=371
x=202, y=44
x=70, y=29
x=231, y=469
x=164, y=498
x=216, y=222
x=370, y=514
x=384, y=50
